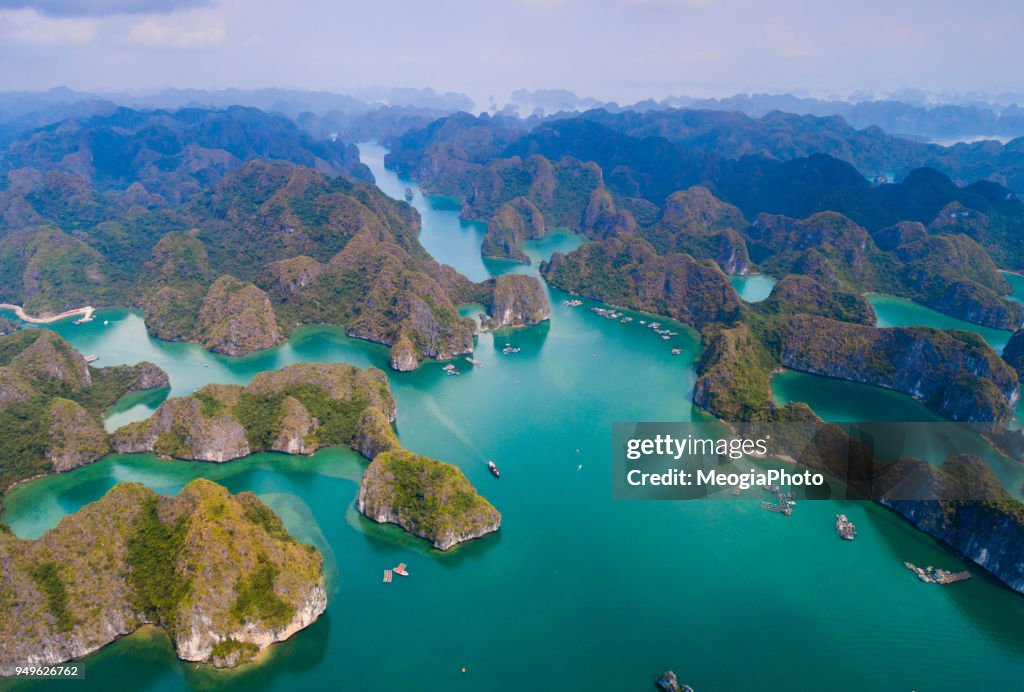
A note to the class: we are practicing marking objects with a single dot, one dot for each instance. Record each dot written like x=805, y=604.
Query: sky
x=622, y=50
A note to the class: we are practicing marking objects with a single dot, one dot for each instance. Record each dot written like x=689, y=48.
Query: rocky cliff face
x=135, y=558
x=514, y=222
x=43, y=357
x=1014, y=352
x=403, y=355
x=182, y=429
x=296, y=410
x=955, y=373
x=971, y=512
x=427, y=498
x=694, y=221
x=237, y=318
x=76, y=438
x=516, y=300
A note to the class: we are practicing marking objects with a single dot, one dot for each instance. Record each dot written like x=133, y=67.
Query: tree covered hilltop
x=218, y=572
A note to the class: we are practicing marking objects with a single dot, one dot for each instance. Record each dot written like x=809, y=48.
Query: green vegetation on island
x=427, y=498
x=218, y=571
x=297, y=410
x=52, y=404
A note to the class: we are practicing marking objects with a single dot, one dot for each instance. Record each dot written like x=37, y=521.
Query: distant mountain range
x=998, y=118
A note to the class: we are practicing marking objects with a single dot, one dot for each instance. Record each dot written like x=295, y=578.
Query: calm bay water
x=900, y=312
x=753, y=288
x=576, y=591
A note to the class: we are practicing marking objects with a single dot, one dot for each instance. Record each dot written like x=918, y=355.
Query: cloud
x=101, y=8
x=29, y=28
x=200, y=30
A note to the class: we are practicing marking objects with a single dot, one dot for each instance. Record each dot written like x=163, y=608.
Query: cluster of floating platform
x=400, y=570
x=509, y=349
x=931, y=575
x=473, y=361
x=610, y=314
x=91, y=359
x=784, y=504
x=450, y=369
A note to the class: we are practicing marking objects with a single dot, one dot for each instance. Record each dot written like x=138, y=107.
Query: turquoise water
x=1017, y=282
x=753, y=288
x=842, y=401
x=900, y=312
x=576, y=591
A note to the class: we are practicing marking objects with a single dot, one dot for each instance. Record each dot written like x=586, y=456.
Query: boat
x=676, y=351
x=932, y=575
x=91, y=359
x=408, y=194
x=493, y=468
x=401, y=570
x=847, y=531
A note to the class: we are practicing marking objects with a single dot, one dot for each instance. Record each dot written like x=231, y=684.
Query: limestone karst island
x=611, y=345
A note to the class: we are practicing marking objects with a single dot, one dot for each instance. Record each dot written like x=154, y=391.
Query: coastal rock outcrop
x=42, y=356
x=1013, y=353
x=516, y=300
x=134, y=558
x=955, y=373
x=514, y=222
x=403, y=355
x=76, y=438
x=696, y=222
x=237, y=318
x=427, y=498
x=296, y=410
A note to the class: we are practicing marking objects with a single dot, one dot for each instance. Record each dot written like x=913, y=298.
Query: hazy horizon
x=612, y=50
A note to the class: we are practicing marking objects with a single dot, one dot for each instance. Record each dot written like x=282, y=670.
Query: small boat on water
x=408, y=194
x=847, y=531
x=401, y=570
x=91, y=359
x=493, y=468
